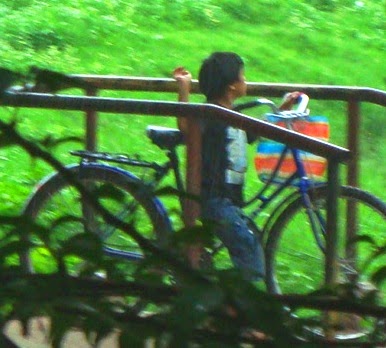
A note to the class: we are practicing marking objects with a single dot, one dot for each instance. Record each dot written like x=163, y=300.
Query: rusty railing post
x=332, y=233
x=353, y=123
x=91, y=124
x=191, y=208
x=331, y=266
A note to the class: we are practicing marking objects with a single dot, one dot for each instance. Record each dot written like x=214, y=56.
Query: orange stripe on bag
x=320, y=130
x=269, y=152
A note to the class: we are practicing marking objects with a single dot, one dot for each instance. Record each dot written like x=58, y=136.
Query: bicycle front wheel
x=58, y=207
x=295, y=249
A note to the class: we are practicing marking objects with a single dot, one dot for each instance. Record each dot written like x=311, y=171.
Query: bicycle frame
x=160, y=170
x=298, y=180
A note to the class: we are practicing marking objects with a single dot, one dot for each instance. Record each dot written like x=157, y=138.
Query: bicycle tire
x=295, y=263
x=55, y=198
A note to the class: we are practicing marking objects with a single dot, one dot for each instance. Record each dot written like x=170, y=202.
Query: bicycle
x=130, y=197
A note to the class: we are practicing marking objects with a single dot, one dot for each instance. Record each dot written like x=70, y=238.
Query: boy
x=224, y=160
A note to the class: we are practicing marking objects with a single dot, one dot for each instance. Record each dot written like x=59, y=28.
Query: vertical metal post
x=331, y=266
x=91, y=124
x=191, y=209
x=352, y=176
x=353, y=124
x=331, y=261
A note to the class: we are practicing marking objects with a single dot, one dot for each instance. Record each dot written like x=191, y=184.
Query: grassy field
x=337, y=42
x=332, y=42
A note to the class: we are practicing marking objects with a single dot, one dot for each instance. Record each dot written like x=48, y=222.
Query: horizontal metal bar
x=162, y=108
x=343, y=93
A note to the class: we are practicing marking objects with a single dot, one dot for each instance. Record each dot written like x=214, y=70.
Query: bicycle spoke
x=59, y=207
x=296, y=257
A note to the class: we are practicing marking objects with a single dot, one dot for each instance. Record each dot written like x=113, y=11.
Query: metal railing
x=91, y=104
x=352, y=95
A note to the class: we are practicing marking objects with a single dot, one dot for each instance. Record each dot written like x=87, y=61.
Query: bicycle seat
x=165, y=138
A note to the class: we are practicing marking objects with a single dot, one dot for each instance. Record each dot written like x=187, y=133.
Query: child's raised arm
x=183, y=78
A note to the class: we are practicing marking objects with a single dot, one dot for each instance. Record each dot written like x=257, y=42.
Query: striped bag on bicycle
x=270, y=152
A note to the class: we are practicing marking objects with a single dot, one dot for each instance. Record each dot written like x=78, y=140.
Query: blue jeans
x=231, y=228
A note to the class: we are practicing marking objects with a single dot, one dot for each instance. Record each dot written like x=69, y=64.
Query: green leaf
x=379, y=252
x=362, y=239
x=132, y=336
x=50, y=142
x=379, y=276
x=194, y=235
x=87, y=246
x=62, y=220
x=61, y=323
x=172, y=191
x=10, y=220
x=192, y=307
x=6, y=138
x=110, y=191
x=15, y=247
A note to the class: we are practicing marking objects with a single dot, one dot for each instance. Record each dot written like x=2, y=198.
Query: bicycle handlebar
x=301, y=110
x=257, y=102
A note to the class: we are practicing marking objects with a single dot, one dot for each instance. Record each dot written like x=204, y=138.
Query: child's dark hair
x=217, y=72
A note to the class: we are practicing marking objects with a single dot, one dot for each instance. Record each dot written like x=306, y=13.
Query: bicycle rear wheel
x=295, y=257
x=58, y=207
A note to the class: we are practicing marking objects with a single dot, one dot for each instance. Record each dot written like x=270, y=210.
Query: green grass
x=338, y=42
x=333, y=42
